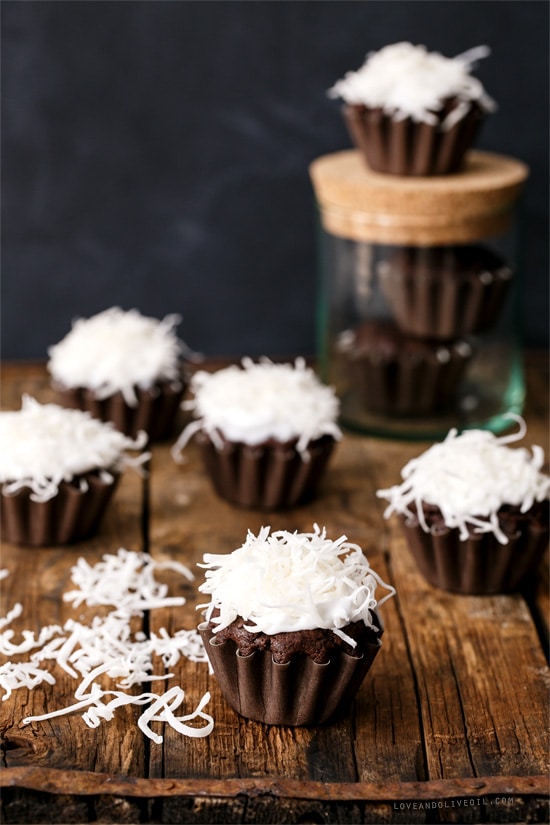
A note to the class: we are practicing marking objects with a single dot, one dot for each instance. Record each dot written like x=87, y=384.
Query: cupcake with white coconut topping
x=122, y=367
x=292, y=626
x=266, y=431
x=58, y=471
x=414, y=112
x=475, y=512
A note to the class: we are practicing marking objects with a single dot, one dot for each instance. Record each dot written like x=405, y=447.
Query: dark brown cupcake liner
x=395, y=375
x=444, y=292
x=269, y=476
x=404, y=147
x=155, y=412
x=478, y=565
x=299, y=692
x=71, y=515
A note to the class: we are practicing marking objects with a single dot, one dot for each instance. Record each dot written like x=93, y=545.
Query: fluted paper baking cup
x=155, y=412
x=299, y=692
x=269, y=476
x=405, y=147
x=73, y=514
x=479, y=565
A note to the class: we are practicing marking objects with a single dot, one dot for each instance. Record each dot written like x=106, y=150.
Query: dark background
x=155, y=155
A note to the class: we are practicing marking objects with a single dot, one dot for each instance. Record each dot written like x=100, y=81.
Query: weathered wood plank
x=457, y=714
x=37, y=579
x=482, y=679
x=188, y=520
x=88, y=783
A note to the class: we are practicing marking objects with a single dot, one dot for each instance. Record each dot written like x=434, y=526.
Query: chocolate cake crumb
x=317, y=643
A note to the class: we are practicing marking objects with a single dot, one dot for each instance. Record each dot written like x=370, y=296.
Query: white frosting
x=292, y=581
x=116, y=351
x=42, y=445
x=257, y=401
x=469, y=477
x=408, y=81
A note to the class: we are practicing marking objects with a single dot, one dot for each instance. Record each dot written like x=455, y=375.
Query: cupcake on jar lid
x=292, y=626
x=122, y=367
x=475, y=512
x=266, y=431
x=58, y=471
x=414, y=112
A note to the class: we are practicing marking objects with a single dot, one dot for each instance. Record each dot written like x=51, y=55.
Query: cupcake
x=266, y=431
x=396, y=374
x=292, y=626
x=474, y=511
x=444, y=292
x=58, y=471
x=122, y=367
x=414, y=112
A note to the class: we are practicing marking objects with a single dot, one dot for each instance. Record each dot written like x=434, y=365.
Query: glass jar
x=418, y=322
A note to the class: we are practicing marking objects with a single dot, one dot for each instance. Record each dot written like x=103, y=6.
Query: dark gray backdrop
x=155, y=155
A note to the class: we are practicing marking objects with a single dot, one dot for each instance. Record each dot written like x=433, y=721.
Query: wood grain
x=454, y=712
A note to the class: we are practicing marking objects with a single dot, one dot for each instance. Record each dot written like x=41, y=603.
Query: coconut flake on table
x=258, y=401
x=283, y=582
x=107, y=646
x=469, y=477
x=117, y=351
x=408, y=81
x=42, y=445
x=125, y=580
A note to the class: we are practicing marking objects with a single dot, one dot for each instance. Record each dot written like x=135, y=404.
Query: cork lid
x=469, y=205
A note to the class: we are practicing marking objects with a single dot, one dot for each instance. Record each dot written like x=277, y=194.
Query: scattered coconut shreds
x=107, y=646
x=125, y=580
x=4, y=573
x=23, y=674
x=12, y=614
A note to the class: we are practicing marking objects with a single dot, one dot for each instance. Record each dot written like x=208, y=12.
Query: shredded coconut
x=117, y=351
x=469, y=477
x=408, y=81
x=107, y=646
x=292, y=581
x=125, y=580
x=258, y=401
x=161, y=709
x=42, y=445
x=25, y=674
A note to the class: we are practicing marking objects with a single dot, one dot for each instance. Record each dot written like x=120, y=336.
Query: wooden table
x=450, y=725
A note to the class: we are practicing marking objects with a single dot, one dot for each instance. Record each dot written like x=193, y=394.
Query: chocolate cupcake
x=266, y=432
x=58, y=471
x=122, y=367
x=475, y=512
x=292, y=627
x=444, y=292
x=395, y=374
x=414, y=112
